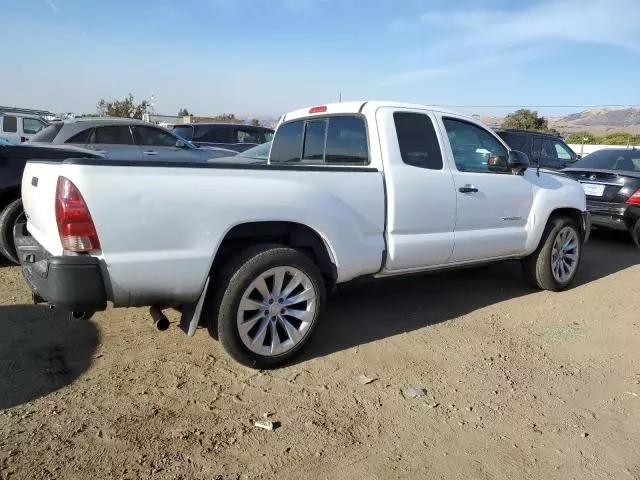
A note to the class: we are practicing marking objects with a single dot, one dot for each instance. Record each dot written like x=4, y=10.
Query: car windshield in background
x=260, y=152
x=184, y=132
x=618, y=159
x=47, y=134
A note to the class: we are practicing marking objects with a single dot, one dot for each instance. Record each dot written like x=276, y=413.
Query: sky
x=266, y=57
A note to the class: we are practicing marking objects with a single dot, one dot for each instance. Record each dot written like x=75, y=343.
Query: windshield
x=619, y=159
x=47, y=134
x=261, y=152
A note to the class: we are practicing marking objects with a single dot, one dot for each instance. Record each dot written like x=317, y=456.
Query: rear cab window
x=330, y=140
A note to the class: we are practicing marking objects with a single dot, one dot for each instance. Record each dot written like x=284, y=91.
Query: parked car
x=126, y=139
x=550, y=150
x=355, y=189
x=12, y=161
x=611, y=180
x=255, y=155
x=238, y=137
x=19, y=125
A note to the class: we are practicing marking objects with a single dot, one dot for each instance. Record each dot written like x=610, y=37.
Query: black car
x=13, y=158
x=238, y=137
x=611, y=180
x=548, y=149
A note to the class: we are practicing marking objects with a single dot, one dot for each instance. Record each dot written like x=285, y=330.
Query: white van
x=17, y=126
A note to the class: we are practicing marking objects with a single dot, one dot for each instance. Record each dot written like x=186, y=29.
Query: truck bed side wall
x=160, y=227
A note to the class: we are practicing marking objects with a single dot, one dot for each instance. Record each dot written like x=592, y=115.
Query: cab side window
x=475, y=149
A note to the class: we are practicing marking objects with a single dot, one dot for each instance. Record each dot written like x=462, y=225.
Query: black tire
x=537, y=266
x=8, y=219
x=235, y=278
x=635, y=233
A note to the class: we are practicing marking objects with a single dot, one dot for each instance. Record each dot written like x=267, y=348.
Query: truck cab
x=19, y=125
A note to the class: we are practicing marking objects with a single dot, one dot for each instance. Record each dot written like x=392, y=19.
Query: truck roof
x=357, y=107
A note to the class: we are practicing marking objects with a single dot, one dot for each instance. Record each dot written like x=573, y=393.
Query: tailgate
x=39, y=182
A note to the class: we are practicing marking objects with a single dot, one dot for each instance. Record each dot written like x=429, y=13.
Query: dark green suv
x=550, y=150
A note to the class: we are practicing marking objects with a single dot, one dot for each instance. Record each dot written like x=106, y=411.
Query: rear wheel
x=555, y=262
x=8, y=219
x=268, y=301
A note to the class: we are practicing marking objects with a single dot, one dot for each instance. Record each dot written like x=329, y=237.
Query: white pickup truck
x=248, y=250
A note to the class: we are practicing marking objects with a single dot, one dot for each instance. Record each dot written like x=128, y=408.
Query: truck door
x=493, y=203
x=421, y=198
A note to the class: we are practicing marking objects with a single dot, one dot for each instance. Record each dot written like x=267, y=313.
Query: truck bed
x=165, y=220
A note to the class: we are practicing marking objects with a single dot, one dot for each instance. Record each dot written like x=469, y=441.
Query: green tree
x=183, y=112
x=226, y=117
x=255, y=122
x=612, y=138
x=125, y=108
x=525, y=119
x=582, y=137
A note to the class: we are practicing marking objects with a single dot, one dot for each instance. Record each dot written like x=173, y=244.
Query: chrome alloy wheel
x=276, y=311
x=565, y=255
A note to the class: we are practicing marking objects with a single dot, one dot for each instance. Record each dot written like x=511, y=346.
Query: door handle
x=150, y=152
x=468, y=189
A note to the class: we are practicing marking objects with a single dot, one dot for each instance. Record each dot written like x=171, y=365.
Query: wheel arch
x=573, y=213
x=8, y=195
x=292, y=234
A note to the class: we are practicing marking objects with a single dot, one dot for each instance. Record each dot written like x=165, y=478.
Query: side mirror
x=498, y=163
x=578, y=157
x=180, y=144
x=518, y=162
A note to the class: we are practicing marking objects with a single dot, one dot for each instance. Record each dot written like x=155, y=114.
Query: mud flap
x=190, y=318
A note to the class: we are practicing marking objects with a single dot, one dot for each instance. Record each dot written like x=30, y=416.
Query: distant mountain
x=600, y=120
x=596, y=121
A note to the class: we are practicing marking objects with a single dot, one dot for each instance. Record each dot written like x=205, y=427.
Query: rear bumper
x=71, y=283
x=608, y=215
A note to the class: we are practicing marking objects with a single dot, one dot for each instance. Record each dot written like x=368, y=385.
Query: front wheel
x=269, y=299
x=555, y=262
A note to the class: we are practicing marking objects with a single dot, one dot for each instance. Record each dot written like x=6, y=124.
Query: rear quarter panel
x=159, y=227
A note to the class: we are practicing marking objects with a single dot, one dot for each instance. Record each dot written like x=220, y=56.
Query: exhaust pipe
x=79, y=315
x=159, y=320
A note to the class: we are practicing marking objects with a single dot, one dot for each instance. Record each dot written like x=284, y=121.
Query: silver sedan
x=126, y=139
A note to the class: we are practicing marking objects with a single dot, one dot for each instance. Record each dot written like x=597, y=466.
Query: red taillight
x=75, y=226
x=635, y=198
x=318, y=109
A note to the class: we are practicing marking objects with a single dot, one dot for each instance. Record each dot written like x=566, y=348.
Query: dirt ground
x=519, y=384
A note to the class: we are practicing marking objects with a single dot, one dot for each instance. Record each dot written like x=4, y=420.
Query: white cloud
x=479, y=39
x=472, y=66
x=613, y=22
x=55, y=8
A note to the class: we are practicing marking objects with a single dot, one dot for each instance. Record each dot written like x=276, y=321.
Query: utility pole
x=339, y=98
